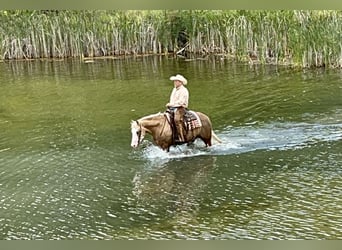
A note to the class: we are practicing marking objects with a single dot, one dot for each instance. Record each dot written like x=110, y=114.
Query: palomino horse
x=159, y=126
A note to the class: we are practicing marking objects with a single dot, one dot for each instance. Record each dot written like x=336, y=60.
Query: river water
x=67, y=170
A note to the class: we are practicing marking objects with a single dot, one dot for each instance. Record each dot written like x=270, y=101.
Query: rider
x=179, y=100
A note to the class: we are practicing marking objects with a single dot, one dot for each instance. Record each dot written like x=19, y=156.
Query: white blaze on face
x=135, y=132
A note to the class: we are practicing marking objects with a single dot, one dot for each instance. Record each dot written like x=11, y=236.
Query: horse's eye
x=138, y=132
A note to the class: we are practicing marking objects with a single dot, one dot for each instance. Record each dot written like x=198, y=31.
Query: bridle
x=139, y=131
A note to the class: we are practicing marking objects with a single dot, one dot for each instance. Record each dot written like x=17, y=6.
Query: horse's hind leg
x=206, y=137
x=207, y=142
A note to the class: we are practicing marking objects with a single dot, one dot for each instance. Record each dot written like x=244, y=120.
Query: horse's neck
x=152, y=124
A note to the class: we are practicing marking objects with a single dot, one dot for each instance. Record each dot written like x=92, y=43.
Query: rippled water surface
x=67, y=170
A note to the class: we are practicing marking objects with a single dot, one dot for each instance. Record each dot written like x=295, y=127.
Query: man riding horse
x=180, y=126
x=177, y=106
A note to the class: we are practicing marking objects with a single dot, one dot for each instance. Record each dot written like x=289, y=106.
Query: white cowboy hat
x=179, y=78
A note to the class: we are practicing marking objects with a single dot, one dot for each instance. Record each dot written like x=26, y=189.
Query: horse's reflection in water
x=175, y=189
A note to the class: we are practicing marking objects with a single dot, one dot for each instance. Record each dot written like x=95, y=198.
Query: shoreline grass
x=282, y=37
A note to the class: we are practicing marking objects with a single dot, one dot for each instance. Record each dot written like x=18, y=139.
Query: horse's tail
x=215, y=137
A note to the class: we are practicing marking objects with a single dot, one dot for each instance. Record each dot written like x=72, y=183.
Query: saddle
x=190, y=121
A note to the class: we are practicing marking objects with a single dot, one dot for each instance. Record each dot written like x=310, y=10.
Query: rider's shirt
x=179, y=97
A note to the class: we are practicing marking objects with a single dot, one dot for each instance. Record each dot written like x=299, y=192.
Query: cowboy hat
x=179, y=78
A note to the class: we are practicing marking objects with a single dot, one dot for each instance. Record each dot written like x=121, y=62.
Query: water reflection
x=175, y=187
x=269, y=194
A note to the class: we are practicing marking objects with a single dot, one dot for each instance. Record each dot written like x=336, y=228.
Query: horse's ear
x=134, y=122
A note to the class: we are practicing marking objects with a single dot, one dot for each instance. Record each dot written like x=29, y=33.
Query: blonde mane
x=134, y=124
x=148, y=117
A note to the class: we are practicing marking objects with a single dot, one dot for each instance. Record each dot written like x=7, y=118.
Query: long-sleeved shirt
x=179, y=97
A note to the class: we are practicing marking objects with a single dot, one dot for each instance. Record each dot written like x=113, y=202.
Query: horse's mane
x=149, y=117
x=144, y=118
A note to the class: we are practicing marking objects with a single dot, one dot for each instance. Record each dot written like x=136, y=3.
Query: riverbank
x=291, y=37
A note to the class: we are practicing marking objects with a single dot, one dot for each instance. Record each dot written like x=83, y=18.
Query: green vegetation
x=291, y=37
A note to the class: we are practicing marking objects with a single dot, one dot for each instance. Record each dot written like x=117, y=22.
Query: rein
x=139, y=135
x=161, y=132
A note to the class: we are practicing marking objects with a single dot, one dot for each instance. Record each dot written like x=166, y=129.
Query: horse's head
x=138, y=134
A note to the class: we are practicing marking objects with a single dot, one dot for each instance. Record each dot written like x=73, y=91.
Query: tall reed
x=293, y=37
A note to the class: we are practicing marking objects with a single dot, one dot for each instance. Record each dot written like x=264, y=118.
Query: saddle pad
x=192, y=120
